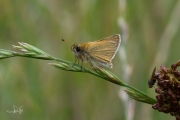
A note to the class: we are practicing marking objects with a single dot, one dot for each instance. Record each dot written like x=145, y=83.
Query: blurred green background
x=149, y=30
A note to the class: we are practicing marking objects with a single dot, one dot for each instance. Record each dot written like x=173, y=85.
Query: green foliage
x=149, y=37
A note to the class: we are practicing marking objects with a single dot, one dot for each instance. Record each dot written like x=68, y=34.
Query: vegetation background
x=149, y=30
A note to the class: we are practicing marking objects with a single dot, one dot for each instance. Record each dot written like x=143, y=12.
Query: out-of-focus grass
x=48, y=93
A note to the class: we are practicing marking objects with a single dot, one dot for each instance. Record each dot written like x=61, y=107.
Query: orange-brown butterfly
x=98, y=53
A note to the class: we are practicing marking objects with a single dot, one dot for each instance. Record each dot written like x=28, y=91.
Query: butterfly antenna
x=66, y=41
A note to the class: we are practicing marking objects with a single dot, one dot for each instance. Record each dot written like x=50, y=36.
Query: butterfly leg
x=78, y=61
x=81, y=65
x=75, y=61
x=95, y=67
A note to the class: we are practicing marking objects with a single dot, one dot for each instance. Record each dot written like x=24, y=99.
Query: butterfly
x=98, y=53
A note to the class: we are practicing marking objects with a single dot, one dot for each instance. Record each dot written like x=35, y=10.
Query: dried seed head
x=167, y=89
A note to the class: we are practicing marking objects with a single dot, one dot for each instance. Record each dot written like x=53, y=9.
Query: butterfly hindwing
x=103, y=51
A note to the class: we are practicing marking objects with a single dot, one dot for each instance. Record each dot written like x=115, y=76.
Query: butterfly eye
x=78, y=49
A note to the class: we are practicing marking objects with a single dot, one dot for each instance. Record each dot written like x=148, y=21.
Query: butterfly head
x=76, y=49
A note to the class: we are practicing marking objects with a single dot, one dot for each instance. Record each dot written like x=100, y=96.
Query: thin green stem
x=30, y=51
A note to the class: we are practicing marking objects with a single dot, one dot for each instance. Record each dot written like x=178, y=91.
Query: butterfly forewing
x=103, y=51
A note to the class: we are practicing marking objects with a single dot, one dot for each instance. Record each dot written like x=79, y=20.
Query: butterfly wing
x=102, y=52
